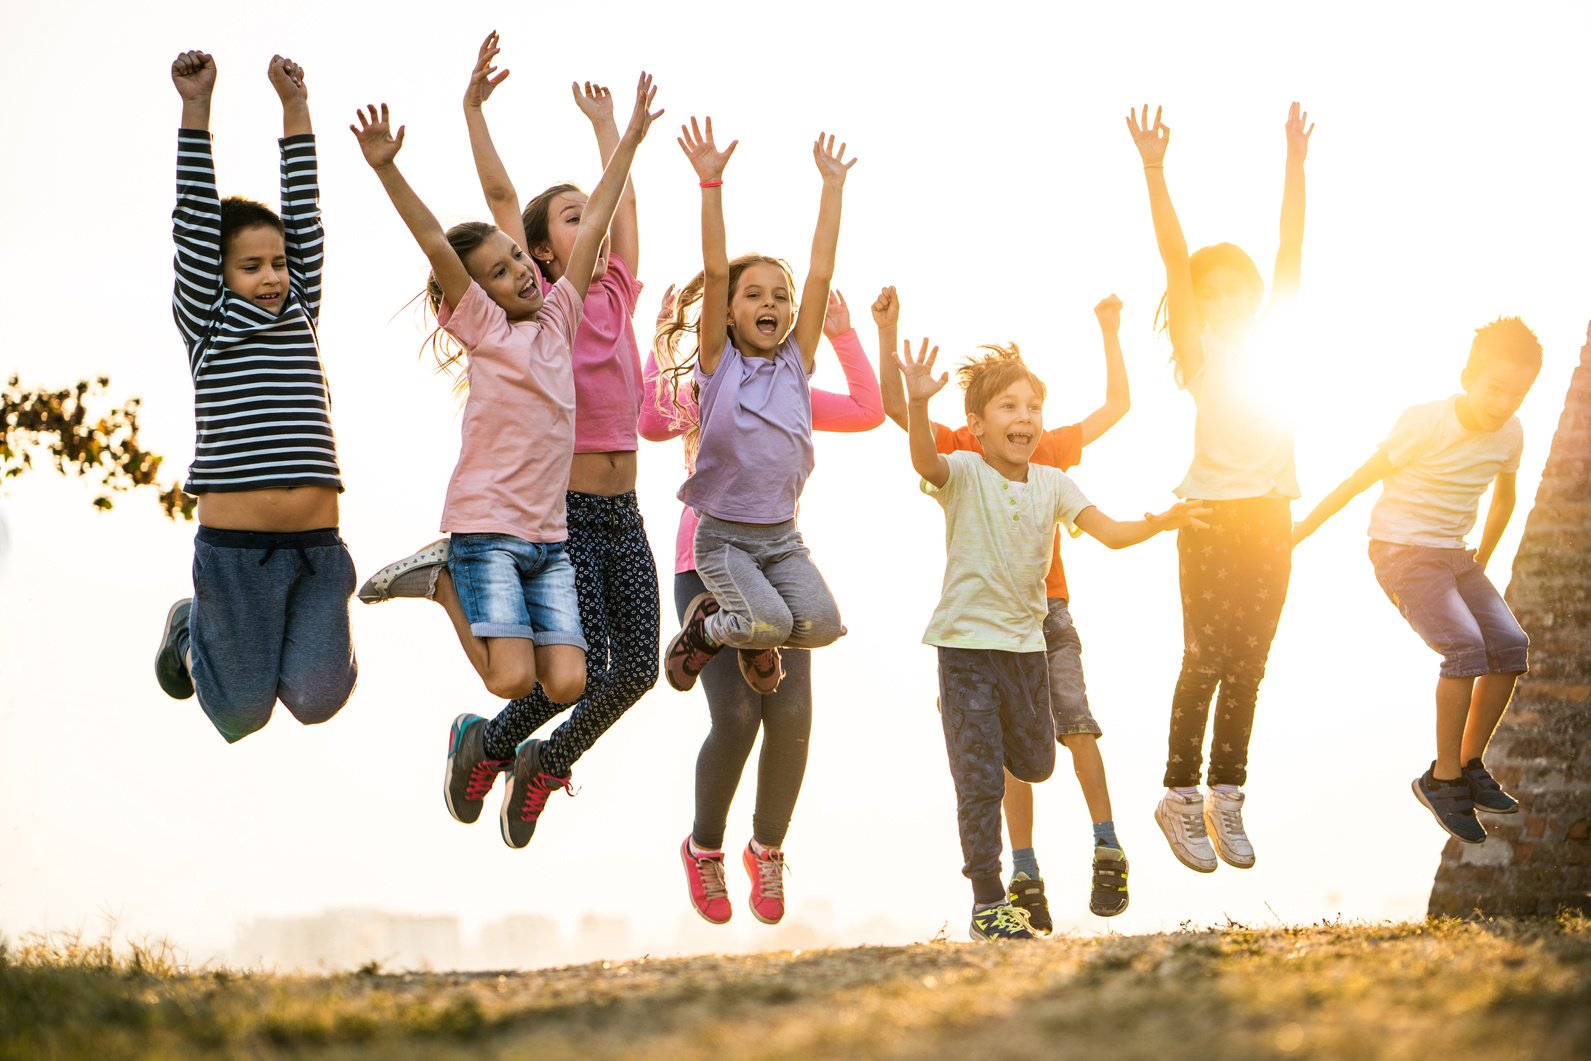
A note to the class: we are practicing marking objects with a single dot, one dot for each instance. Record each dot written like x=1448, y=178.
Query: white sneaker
x=1181, y=818
x=413, y=576
x=1223, y=817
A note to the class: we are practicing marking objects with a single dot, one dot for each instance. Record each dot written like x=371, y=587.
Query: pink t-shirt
x=607, y=364
x=860, y=409
x=518, y=433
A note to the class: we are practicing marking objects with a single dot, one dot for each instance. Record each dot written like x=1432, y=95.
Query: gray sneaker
x=413, y=576
x=526, y=795
x=1450, y=804
x=1181, y=818
x=1486, y=792
x=171, y=669
x=470, y=774
x=1223, y=820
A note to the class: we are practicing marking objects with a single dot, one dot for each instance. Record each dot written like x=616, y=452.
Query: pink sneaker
x=690, y=650
x=767, y=883
x=705, y=878
x=762, y=670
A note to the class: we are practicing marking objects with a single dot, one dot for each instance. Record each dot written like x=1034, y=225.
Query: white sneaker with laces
x=1181, y=817
x=1223, y=817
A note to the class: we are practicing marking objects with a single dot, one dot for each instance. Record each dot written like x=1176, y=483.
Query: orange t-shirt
x=1060, y=448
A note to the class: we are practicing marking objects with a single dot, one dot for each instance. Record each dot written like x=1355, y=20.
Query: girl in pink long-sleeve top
x=785, y=715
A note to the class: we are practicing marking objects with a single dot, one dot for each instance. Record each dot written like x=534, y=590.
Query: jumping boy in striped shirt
x=268, y=618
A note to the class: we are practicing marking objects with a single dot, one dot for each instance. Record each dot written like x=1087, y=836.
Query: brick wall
x=1539, y=860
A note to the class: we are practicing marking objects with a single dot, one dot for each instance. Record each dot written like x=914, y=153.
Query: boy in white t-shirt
x=1000, y=518
x=1435, y=465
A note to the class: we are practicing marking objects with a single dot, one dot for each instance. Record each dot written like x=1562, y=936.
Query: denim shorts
x=1453, y=606
x=1068, y=694
x=509, y=587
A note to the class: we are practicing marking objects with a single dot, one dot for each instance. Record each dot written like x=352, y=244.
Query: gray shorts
x=1068, y=694
x=270, y=622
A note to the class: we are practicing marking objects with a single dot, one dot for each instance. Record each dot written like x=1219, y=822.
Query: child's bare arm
x=1290, y=251
x=287, y=77
x=501, y=199
x=1118, y=399
x=193, y=73
x=598, y=214
x=1370, y=472
x=1118, y=534
x=1497, y=516
x=624, y=235
x=921, y=385
x=380, y=148
x=1186, y=321
x=709, y=163
x=825, y=243
x=886, y=314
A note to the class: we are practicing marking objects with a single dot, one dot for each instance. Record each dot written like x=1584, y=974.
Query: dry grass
x=1499, y=989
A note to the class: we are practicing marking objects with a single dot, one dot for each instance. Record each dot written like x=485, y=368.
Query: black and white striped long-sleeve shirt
x=261, y=403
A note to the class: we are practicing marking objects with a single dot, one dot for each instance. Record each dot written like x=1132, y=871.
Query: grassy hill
x=1498, y=989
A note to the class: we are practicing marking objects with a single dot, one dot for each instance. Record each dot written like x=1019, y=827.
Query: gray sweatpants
x=769, y=593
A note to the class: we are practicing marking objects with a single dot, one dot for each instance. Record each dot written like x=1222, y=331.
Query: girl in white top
x=1233, y=573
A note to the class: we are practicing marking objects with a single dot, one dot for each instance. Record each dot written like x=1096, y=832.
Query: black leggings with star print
x=1234, y=579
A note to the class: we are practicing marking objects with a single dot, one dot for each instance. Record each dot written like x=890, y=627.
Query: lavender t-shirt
x=756, y=443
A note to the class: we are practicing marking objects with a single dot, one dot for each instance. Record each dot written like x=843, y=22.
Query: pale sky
x=999, y=190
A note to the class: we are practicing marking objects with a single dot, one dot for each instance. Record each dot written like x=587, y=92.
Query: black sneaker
x=1000, y=922
x=1450, y=804
x=1028, y=893
x=1109, y=896
x=171, y=670
x=1486, y=792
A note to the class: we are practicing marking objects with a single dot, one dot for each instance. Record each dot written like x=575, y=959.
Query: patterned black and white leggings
x=1234, y=579
x=616, y=581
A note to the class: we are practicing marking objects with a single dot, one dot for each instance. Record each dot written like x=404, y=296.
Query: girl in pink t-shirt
x=508, y=586
x=737, y=712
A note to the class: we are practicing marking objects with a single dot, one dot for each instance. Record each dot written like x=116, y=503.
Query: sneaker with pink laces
x=470, y=773
x=763, y=670
x=704, y=875
x=766, y=871
x=526, y=797
x=690, y=650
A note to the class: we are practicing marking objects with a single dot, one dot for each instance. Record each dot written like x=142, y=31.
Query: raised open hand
x=886, y=307
x=665, y=310
x=193, y=73
x=642, y=117
x=594, y=101
x=1151, y=140
x=1109, y=313
x=485, y=78
x=918, y=371
x=836, y=315
x=287, y=77
x=1297, y=134
x=704, y=156
x=831, y=163
x=374, y=133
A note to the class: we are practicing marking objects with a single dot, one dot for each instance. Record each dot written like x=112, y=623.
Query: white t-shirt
x=1441, y=468
x=1242, y=434
x=998, y=544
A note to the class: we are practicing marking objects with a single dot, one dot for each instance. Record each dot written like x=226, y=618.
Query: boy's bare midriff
x=603, y=474
x=288, y=509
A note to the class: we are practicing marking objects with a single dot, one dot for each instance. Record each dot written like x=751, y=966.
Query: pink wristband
x=711, y=184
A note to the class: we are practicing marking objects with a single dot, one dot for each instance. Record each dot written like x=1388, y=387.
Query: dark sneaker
x=171, y=670
x=690, y=650
x=763, y=670
x=526, y=795
x=1109, y=896
x=1450, y=804
x=470, y=774
x=704, y=876
x=413, y=576
x=767, y=883
x=1028, y=893
x=1001, y=922
x=1486, y=792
